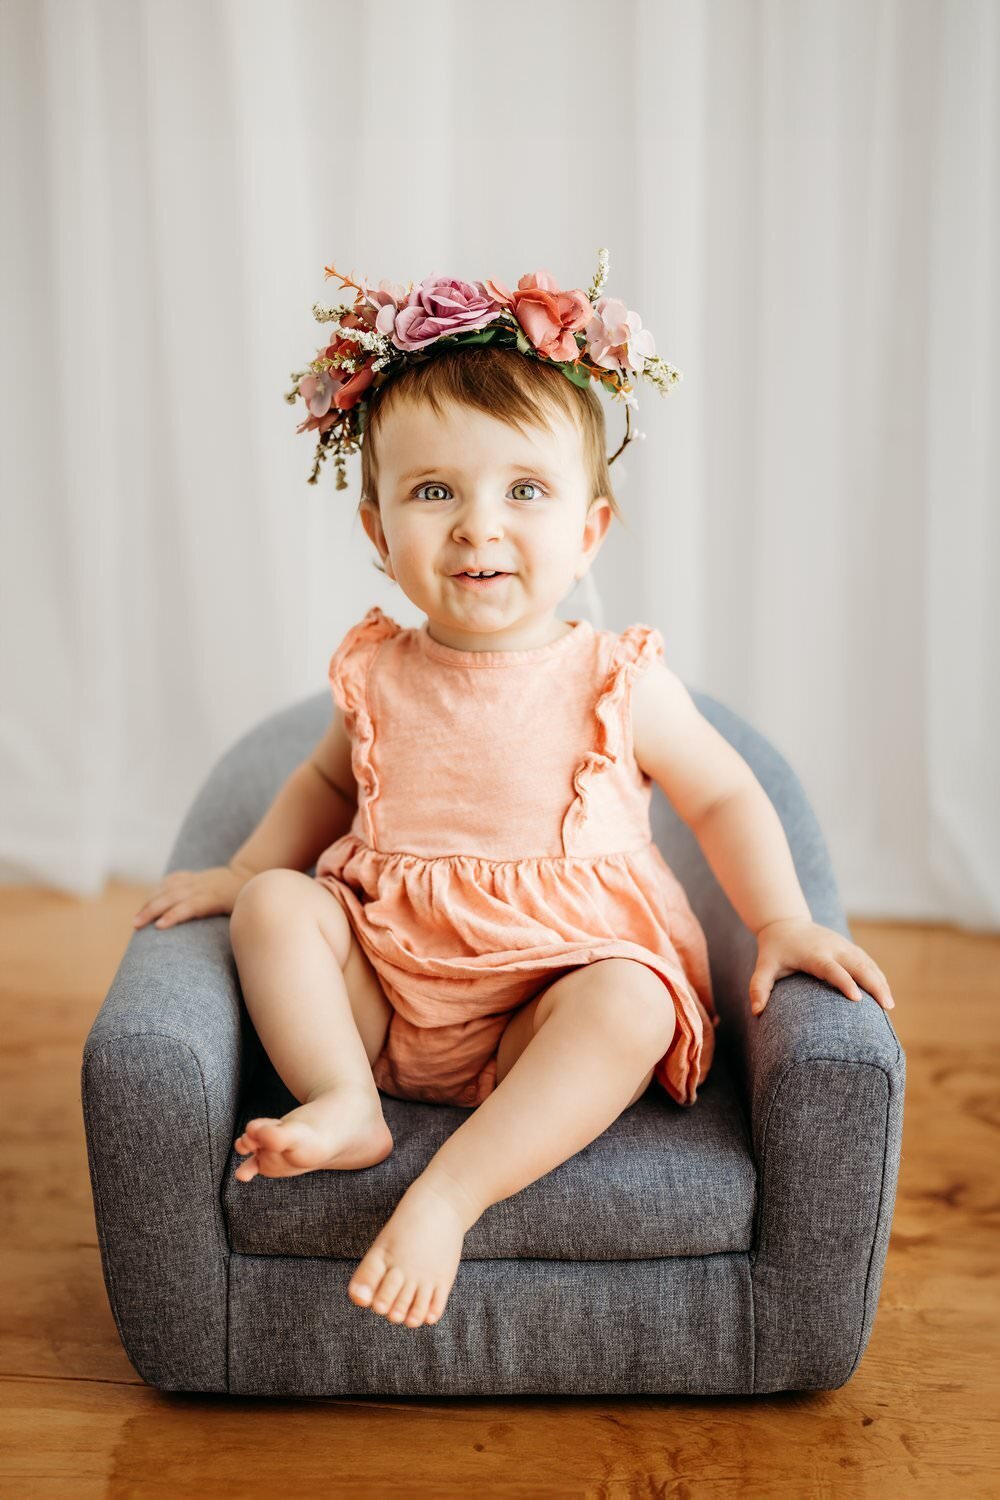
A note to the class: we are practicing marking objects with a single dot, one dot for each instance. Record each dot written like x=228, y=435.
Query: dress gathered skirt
x=501, y=839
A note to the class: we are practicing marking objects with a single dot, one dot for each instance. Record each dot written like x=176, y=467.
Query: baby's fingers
x=153, y=908
x=841, y=978
x=858, y=966
x=163, y=910
x=867, y=972
x=164, y=901
x=179, y=913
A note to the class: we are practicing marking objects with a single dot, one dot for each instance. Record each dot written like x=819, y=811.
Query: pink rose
x=439, y=305
x=548, y=316
x=616, y=339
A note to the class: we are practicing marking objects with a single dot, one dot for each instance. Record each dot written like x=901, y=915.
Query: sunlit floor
x=918, y=1418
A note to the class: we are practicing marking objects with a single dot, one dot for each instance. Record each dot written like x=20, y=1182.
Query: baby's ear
x=599, y=514
x=371, y=520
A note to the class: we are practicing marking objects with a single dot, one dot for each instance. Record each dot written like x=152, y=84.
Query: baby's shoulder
x=350, y=661
x=375, y=625
x=632, y=650
x=639, y=677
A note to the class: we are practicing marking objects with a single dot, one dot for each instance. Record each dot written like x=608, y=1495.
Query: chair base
x=679, y=1325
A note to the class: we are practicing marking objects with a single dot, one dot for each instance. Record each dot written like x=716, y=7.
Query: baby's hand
x=192, y=893
x=795, y=944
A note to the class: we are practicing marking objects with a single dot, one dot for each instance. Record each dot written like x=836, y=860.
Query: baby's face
x=465, y=491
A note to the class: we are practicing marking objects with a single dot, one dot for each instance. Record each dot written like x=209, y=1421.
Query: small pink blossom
x=320, y=424
x=317, y=391
x=616, y=339
x=332, y=391
x=386, y=299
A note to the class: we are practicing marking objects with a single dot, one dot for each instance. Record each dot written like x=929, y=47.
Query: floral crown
x=388, y=328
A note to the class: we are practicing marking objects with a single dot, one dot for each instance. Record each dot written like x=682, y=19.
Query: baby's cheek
x=411, y=557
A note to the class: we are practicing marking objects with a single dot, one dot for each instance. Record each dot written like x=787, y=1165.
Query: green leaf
x=476, y=336
x=495, y=333
x=573, y=372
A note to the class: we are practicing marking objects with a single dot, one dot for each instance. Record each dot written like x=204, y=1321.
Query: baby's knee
x=289, y=904
x=271, y=894
x=633, y=998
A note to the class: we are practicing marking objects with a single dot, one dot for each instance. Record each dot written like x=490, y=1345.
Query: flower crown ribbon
x=586, y=335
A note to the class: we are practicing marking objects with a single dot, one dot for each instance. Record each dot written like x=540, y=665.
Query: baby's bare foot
x=343, y=1129
x=410, y=1267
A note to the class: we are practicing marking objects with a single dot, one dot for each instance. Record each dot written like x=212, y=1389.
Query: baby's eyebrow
x=522, y=468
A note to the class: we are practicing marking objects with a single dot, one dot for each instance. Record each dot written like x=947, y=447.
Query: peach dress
x=502, y=838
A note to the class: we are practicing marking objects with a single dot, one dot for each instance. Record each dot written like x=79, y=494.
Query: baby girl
x=489, y=923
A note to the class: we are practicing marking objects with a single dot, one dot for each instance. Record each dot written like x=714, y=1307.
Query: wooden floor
x=919, y=1418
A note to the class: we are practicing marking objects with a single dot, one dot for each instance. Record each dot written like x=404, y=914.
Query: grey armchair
x=734, y=1247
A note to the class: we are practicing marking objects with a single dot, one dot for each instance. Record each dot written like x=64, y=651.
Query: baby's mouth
x=481, y=580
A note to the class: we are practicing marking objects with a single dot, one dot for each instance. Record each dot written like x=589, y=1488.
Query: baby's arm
x=309, y=813
x=717, y=795
x=313, y=808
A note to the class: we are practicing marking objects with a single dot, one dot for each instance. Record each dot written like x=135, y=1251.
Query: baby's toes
x=387, y=1293
x=438, y=1302
x=272, y=1163
x=250, y=1139
x=366, y=1280
x=421, y=1302
x=400, y=1306
x=266, y=1132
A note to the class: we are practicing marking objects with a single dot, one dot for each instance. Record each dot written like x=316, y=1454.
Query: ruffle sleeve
x=348, y=674
x=635, y=648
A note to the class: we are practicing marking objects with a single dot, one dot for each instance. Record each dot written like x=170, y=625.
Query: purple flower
x=438, y=306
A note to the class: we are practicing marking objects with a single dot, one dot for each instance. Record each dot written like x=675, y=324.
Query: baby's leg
x=599, y=1030
x=321, y=1015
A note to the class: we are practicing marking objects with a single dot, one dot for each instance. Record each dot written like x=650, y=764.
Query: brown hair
x=505, y=384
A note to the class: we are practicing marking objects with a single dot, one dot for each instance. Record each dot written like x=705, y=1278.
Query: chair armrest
x=823, y=1081
x=165, y=1067
x=161, y=1084
x=826, y=1078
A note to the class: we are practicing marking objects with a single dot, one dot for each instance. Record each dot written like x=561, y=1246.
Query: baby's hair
x=504, y=384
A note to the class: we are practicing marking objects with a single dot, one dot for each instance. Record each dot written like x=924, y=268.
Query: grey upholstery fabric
x=734, y=1247
x=656, y=1203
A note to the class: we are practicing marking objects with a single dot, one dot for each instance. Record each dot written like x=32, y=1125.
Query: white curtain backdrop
x=802, y=200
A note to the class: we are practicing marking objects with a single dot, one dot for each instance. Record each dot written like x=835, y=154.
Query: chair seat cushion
x=661, y=1180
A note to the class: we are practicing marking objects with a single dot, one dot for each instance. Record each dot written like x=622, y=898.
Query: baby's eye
x=521, y=484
